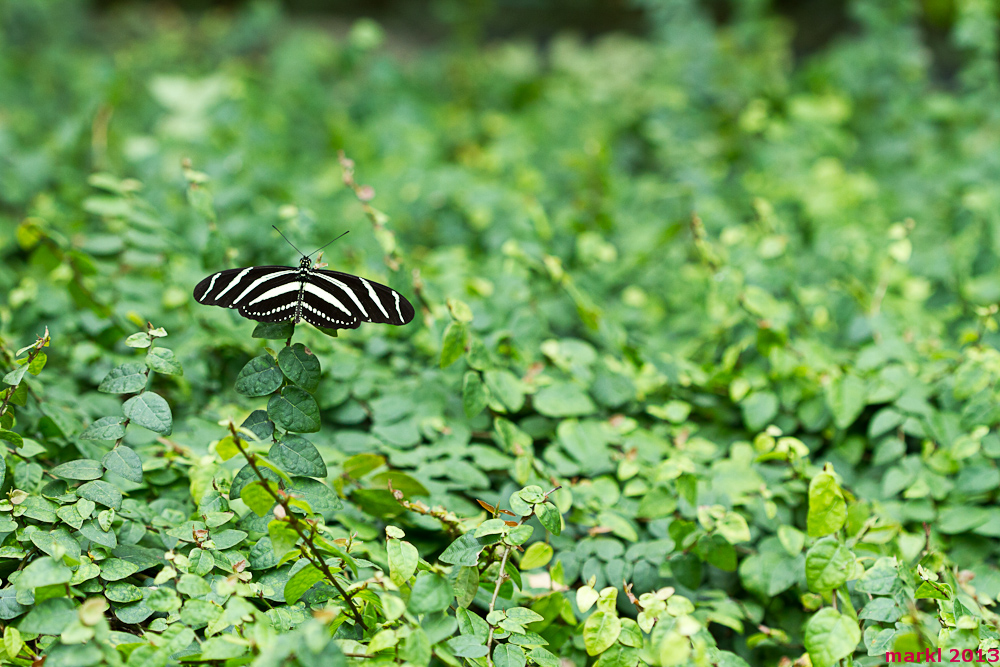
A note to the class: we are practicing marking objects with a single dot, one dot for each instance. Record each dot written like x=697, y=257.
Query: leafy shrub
x=704, y=369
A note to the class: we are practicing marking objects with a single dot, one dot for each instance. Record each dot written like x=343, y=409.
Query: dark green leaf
x=125, y=462
x=300, y=366
x=294, y=410
x=105, y=428
x=129, y=378
x=274, y=330
x=297, y=456
x=151, y=411
x=162, y=360
x=301, y=582
x=431, y=593
x=79, y=469
x=260, y=377
x=563, y=400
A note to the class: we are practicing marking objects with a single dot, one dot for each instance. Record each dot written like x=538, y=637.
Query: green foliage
x=704, y=369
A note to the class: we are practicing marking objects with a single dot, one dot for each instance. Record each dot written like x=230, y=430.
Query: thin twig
x=42, y=341
x=503, y=577
x=451, y=521
x=312, y=553
x=393, y=259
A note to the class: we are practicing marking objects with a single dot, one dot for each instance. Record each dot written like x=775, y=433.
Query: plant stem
x=503, y=577
x=312, y=553
x=39, y=344
x=493, y=602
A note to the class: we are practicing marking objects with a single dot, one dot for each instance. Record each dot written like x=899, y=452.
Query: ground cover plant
x=703, y=369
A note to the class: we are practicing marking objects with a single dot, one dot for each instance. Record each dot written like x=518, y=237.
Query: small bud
x=279, y=512
x=366, y=193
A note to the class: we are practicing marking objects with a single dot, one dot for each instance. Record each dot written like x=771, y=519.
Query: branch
x=365, y=193
x=43, y=341
x=503, y=577
x=312, y=553
x=450, y=521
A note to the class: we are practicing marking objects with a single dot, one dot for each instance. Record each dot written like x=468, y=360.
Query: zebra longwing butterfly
x=328, y=299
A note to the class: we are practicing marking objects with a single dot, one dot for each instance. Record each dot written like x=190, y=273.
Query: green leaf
x=320, y=496
x=105, y=428
x=101, y=493
x=733, y=526
x=193, y=585
x=509, y=655
x=301, y=582
x=880, y=578
x=550, y=517
x=162, y=360
x=125, y=462
x=933, y=590
x=15, y=376
x=116, y=569
x=12, y=641
x=297, y=456
x=129, y=378
x=846, y=398
x=431, y=593
x=283, y=538
x=827, y=508
x=759, y=410
x=79, y=469
x=294, y=410
x=829, y=565
x=537, y=555
x=257, y=498
x=260, y=377
x=403, y=558
x=506, y=387
x=466, y=585
x=44, y=571
x=468, y=646
x=122, y=592
x=274, y=330
x=453, y=343
x=139, y=340
x=464, y=551
x=544, y=658
x=601, y=631
x=93, y=532
x=227, y=539
x=149, y=410
x=618, y=656
x=474, y=396
x=300, y=366
x=830, y=636
x=563, y=400
x=259, y=424
x=520, y=534
x=49, y=617
x=491, y=527
x=523, y=615
x=416, y=648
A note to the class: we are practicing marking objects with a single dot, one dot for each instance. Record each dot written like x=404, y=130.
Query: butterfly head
x=305, y=263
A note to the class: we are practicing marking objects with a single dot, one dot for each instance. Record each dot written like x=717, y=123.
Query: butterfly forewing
x=328, y=299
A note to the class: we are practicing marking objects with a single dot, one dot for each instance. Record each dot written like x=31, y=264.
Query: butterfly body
x=328, y=299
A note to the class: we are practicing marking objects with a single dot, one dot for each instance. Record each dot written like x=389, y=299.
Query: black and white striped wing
x=262, y=293
x=332, y=296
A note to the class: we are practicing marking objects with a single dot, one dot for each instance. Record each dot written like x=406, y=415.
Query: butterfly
x=327, y=299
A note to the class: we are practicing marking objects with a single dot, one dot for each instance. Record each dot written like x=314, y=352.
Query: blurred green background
x=703, y=219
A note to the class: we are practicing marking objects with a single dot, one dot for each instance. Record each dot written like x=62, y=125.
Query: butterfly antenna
x=289, y=242
x=316, y=251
